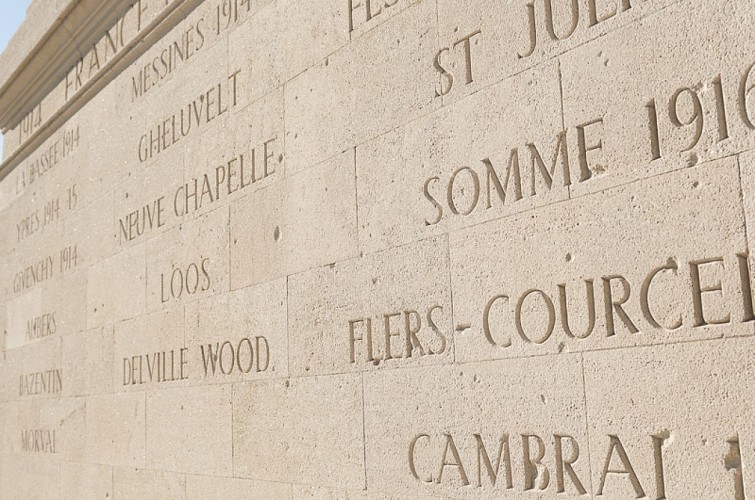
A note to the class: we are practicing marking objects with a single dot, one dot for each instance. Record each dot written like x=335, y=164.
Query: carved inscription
x=209, y=105
x=240, y=172
x=471, y=462
x=396, y=335
x=562, y=19
x=115, y=39
x=367, y=10
x=491, y=185
x=230, y=12
x=192, y=280
x=544, y=309
x=220, y=359
x=39, y=218
x=158, y=367
x=163, y=65
x=45, y=269
x=447, y=80
x=41, y=326
x=38, y=383
x=30, y=123
x=243, y=356
x=686, y=109
x=38, y=441
x=43, y=161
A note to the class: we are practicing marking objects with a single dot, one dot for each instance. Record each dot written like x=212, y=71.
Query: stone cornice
x=79, y=27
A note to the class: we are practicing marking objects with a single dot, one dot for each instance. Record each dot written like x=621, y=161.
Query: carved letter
x=616, y=445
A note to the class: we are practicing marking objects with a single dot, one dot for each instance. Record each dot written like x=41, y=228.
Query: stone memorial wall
x=378, y=249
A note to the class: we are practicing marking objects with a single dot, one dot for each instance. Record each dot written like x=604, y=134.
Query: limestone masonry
x=378, y=250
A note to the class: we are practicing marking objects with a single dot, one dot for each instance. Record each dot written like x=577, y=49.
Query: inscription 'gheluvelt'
x=209, y=105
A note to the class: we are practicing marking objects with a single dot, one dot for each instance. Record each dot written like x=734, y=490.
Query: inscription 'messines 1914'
x=163, y=65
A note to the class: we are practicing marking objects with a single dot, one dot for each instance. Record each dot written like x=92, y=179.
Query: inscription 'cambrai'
x=445, y=455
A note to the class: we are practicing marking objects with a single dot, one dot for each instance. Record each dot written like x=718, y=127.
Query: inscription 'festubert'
x=38, y=383
x=209, y=105
x=370, y=9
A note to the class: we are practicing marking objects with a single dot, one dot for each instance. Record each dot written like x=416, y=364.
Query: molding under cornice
x=80, y=26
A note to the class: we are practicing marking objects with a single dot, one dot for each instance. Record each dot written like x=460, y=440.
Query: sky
x=12, y=13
